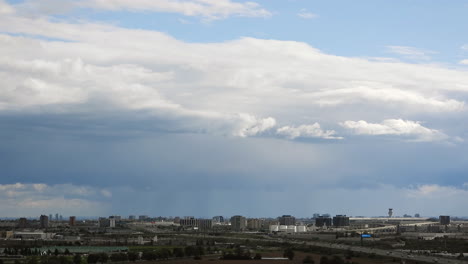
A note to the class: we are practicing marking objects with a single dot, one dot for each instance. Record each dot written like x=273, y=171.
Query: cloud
x=303, y=13
x=464, y=62
x=240, y=87
x=24, y=199
x=464, y=47
x=395, y=127
x=206, y=9
x=307, y=131
x=5, y=8
x=411, y=52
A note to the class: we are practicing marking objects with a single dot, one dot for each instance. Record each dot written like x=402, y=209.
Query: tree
x=77, y=259
x=67, y=252
x=56, y=252
x=103, y=257
x=133, y=256
x=337, y=260
x=324, y=260
x=309, y=260
x=178, y=252
x=93, y=258
x=288, y=253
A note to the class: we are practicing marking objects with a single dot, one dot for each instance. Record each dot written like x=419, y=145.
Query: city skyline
x=233, y=107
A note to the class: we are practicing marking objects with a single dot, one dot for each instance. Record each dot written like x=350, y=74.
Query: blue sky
x=222, y=107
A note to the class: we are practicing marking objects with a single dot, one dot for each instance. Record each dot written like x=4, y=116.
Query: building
x=254, y=223
x=23, y=222
x=340, y=221
x=322, y=221
x=218, y=219
x=287, y=220
x=131, y=217
x=56, y=217
x=444, y=220
x=199, y=224
x=72, y=220
x=44, y=220
x=238, y=223
x=143, y=217
x=106, y=222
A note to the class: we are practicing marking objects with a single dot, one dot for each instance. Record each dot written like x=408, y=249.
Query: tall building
x=143, y=217
x=444, y=220
x=238, y=223
x=287, y=220
x=56, y=217
x=200, y=224
x=44, y=220
x=106, y=222
x=72, y=220
x=131, y=217
x=340, y=220
x=323, y=221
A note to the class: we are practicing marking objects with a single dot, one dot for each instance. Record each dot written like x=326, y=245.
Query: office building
x=444, y=220
x=131, y=217
x=72, y=220
x=287, y=220
x=218, y=219
x=254, y=223
x=44, y=220
x=322, y=221
x=340, y=221
x=238, y=223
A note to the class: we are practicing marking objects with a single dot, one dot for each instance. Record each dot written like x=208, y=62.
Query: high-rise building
x=56, y=217
x=143, y=217
x=44, y=220
x=51, y=218
x=131, y=217
x=287, y=220
x=238, y=223
x=106, y=222
x=323, y=221
x=444, y=220
x=72, y=220
x=340, y=220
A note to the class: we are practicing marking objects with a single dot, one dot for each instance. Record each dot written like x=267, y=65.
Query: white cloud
x=240, y=87
x=397, y=127
x=411, y=52
x=464, y=47
x=207, y=9
x=5, y=8
x=464, y=62
x=307, y=131
x=304, y=13
x=34, y=199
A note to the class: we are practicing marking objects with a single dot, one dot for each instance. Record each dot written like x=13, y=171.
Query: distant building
x=176, y=220
x=44, y=220
x=143, y=217
x=23, y=222
x=322, y=221
x=417, y=215
x=117, y=218
x=218, y=219
x=72, y=220
x=131, y=217
x=316, y=215
x=56, y=217
x=340, y=220
x=238, y=223
x=200, y=224
x=254, y=223
x=287, y=220
x=444, y=220
x=106, y=222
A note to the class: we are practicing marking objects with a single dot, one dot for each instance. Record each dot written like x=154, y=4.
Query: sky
x=224, y=107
